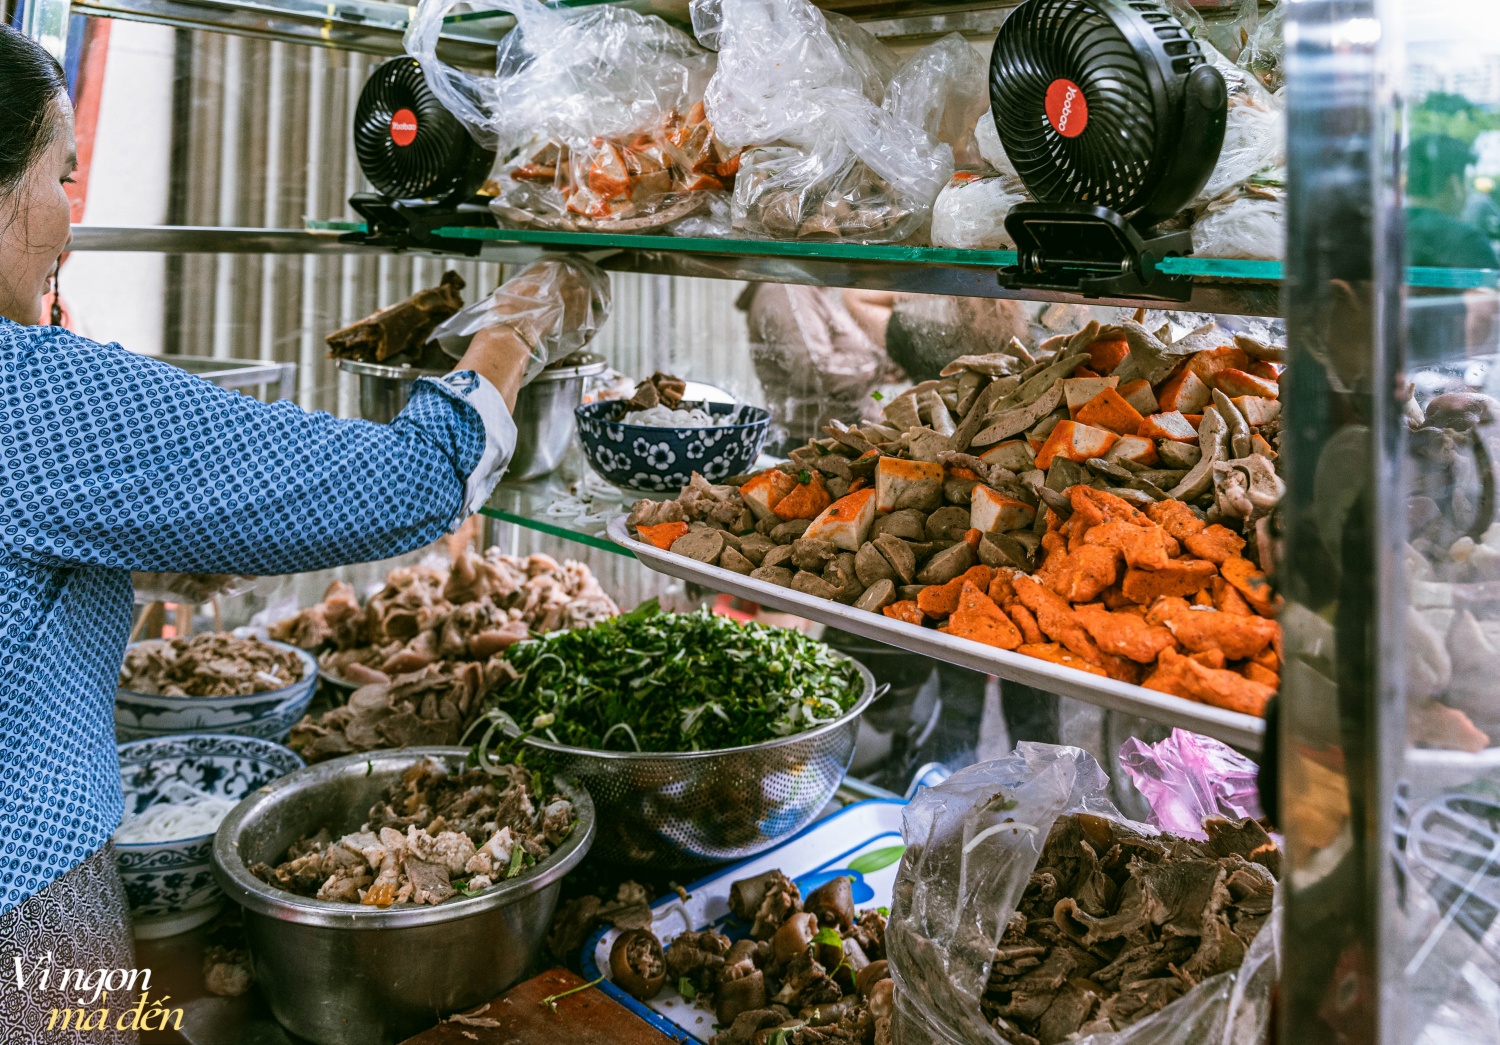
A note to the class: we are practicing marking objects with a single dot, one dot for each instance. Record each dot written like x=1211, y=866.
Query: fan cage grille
x=436, y=162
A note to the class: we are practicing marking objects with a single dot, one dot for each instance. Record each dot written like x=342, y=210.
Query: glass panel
x=1446, y=964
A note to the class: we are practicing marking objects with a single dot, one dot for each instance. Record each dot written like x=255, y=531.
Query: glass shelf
x=572, y=503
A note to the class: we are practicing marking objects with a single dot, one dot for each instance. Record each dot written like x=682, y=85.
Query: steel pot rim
x=245, y=889
x=848, y=718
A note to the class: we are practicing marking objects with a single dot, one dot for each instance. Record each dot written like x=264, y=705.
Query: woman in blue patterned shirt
x=112, y=462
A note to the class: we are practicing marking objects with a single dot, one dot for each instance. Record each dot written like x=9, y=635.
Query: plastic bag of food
x=973, y=846
x=1265, y=50
x=1188, y=778
x=190, y=589
x=970, y=213
x=1247, y=222
x=842, y=141
x=555, y=304
x=595, y=114
x=1254, y=131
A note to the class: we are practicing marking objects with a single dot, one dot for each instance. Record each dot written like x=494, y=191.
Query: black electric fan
x=421, y=161
x=1114, y=119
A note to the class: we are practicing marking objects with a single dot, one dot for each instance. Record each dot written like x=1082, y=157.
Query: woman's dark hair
x=30, y=80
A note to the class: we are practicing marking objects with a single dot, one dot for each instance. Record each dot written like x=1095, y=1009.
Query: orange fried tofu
x=1144, y=547
x=1123, y=634
x=1185, y=677
x=662, y=534
x=1252, y=584
x=1176, y=518
x=1052, y=652
x=1180, y=577
x=905, y=610
x=1025, y=622
x=1056, y=620
x=1079, y=576
x=1215, y=543
x=978, y=618
x=939, y=600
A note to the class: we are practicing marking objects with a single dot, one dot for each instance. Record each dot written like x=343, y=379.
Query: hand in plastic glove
x=550, y=310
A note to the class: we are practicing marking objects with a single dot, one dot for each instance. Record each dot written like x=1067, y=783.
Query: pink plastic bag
x=1188, y=778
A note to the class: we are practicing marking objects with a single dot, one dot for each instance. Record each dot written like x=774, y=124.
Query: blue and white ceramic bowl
x=170, y=883
x=663, y=460
x=269, y=715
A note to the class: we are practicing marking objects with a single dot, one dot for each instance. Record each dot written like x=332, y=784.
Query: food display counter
x=1166, y=616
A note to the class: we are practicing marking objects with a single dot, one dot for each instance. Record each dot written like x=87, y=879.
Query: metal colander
x=700, y=807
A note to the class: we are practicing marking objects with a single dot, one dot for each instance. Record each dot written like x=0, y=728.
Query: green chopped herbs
x=655, y=681
x=685, y=987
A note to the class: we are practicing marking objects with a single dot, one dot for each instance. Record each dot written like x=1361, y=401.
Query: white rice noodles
x=180, y=811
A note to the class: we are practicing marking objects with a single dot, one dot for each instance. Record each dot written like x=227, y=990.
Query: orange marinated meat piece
x=1055, y=654
x=1205, y=597
x=1079, y=576
x=1144, y=547
x=972, y=537
x=1123, y=634
x=1238, y=637
x=1000, y=588
x=1255, y=673
x=662, y=534
x=1210, y=658
x=978, y=618
x=1180, y=577
x=1176, y=518
x=1269, y=659
x=1026, y=622
x=1184, y=677
x=906, y=610
x=1091, y=507
x=1056, y=620
x=1216, y=543
x=1114, y=599
x=806, y=500
x=1252, y=584
x=1165, y=608
x=1227, y=598
x=939, y=600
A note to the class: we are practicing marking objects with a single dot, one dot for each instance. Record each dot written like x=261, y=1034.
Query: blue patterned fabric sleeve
x=114, y=459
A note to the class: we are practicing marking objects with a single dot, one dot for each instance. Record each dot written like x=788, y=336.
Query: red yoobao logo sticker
x=1066, y=109
x=404, y=127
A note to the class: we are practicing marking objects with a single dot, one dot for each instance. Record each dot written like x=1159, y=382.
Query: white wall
x=119, y=297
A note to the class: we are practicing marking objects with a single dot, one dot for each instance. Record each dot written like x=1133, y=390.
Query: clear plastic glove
x=555, y=306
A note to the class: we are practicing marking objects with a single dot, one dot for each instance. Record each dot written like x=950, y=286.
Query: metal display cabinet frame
x=1353, y=937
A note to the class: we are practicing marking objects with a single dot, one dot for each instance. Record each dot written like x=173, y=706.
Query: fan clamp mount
x=1093, y=252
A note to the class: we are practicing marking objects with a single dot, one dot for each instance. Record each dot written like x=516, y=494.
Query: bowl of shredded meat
x=384, y=890
x=212, y=683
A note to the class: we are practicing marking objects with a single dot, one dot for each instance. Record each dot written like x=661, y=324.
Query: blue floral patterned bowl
x=170, y=883
x=663, y=460
x=269, y=715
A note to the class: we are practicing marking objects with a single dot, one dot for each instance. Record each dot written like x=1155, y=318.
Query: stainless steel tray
x=1243, y=731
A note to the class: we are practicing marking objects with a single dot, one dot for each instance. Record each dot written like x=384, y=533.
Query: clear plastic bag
x=1246, y=222
x=556, y=305
x=842, y=141
x=192, y=589
x=595, y=115
x=1254, y=132
x=970, y=213
x=972, y=844
x=1188, y=778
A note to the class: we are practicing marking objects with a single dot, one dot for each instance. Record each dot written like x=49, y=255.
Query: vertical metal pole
x=46, y=22
x=1341, y=702
x=227, y=265
x=312, y=203
x=271, y=217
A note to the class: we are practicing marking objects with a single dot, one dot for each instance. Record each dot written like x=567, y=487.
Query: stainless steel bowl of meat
x=689, y=808
x=339, y=973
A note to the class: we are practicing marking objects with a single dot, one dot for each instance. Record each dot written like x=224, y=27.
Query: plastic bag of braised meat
x=1028, y=911
x=596, y=115
x=842, y=140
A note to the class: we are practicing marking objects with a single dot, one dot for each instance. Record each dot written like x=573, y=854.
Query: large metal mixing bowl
x=543, y=414
x=695, y=807
x=341, y=974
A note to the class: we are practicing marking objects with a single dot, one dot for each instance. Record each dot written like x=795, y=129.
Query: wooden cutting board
x=519, y=1017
